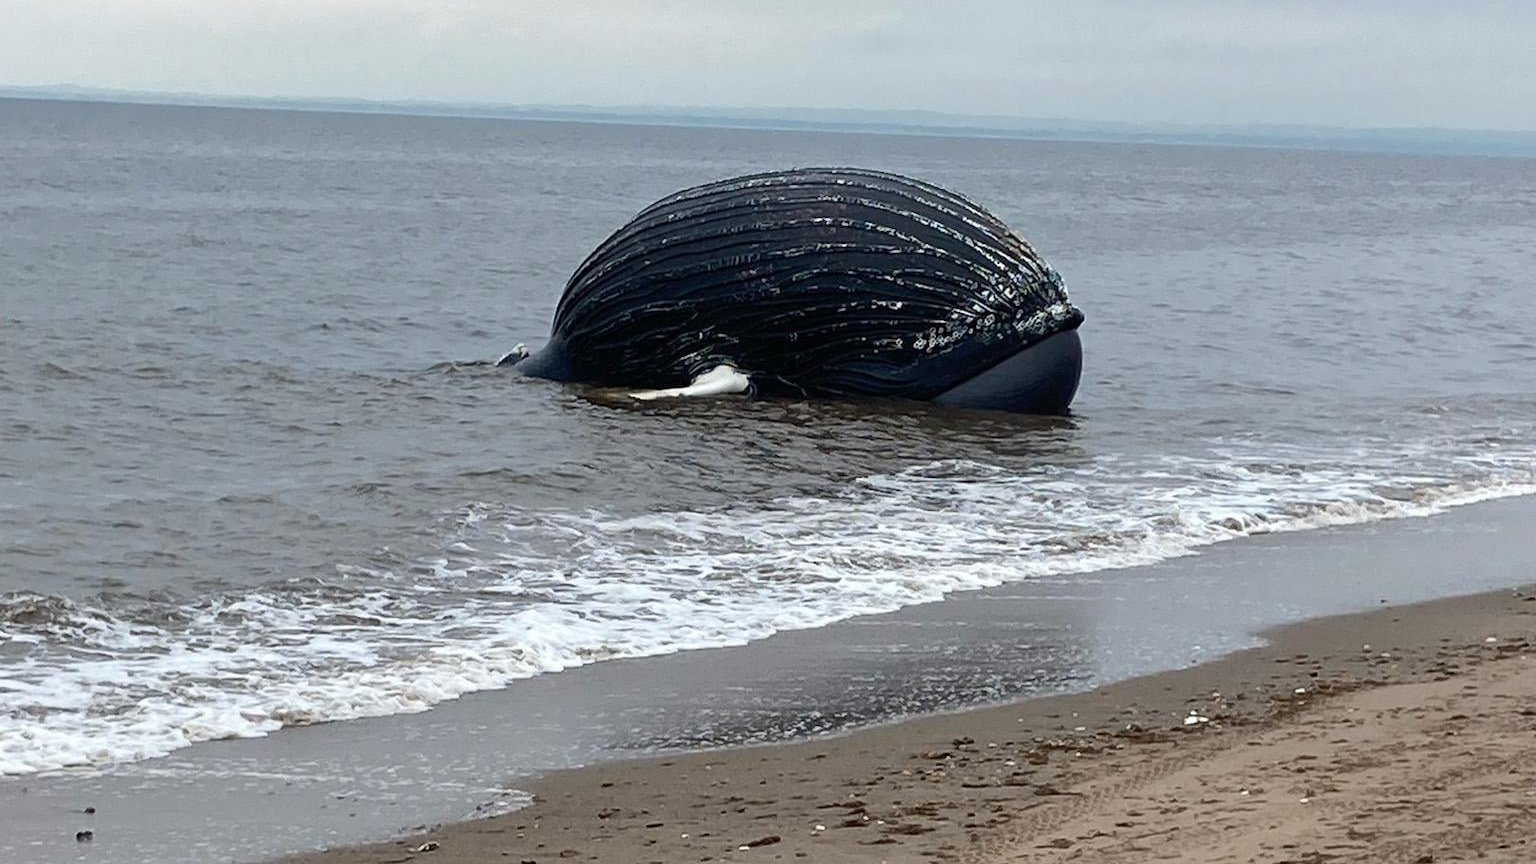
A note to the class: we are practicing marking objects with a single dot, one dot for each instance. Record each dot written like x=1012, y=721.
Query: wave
x=516, y=593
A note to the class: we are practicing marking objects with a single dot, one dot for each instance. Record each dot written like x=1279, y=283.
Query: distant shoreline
x=1426, y=141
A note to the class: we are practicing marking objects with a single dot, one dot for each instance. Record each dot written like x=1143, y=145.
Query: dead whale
x=820, y=282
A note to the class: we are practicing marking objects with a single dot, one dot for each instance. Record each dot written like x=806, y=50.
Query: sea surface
x=256, y=472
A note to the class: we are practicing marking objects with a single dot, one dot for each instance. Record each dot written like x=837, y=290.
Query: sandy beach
x=1407, y=733
x=294, y=565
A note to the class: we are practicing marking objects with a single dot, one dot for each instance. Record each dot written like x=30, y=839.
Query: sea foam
x=516, y=593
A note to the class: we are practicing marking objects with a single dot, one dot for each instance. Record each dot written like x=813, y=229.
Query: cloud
x=1410, y=62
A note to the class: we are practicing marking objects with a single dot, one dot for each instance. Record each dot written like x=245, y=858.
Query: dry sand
x=1405, y=734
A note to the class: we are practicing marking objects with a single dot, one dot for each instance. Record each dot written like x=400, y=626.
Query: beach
x=296, y=566
x=1141, y=645
x=1406, y=733
x=866, y=433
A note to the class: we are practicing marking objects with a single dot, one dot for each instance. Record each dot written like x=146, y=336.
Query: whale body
x=820, y=282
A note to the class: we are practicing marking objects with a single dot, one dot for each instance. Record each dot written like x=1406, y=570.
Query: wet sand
x=1407, y=733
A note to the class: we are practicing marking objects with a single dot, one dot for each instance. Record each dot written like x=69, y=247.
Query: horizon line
x=1409, y=139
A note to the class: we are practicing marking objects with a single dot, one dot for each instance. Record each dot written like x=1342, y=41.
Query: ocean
x=257, y=472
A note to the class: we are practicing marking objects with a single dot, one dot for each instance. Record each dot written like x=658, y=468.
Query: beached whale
x=829, y=282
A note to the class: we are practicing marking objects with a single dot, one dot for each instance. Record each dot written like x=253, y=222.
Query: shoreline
x=1397, y=141
x=1037, y=779
x=338, y=785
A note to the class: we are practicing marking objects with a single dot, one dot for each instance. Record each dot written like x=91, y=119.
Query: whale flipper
x=719, y=381
x=518, y=353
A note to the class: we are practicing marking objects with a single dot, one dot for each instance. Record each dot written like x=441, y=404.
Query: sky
x=1466, y=64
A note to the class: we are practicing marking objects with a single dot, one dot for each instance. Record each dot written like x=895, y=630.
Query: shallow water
x=252, y=474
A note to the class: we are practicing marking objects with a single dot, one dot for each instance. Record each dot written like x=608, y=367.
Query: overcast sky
x=1363, y=63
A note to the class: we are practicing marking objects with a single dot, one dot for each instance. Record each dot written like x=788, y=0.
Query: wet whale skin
x=829, y=282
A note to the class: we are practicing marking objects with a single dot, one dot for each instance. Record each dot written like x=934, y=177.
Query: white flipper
x=718, y=381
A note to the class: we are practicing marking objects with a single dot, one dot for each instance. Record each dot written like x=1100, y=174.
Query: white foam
x=517, y=593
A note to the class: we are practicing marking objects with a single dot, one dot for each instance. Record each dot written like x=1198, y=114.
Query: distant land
x=1486, y=142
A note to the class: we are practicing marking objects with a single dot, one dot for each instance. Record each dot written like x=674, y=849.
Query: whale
x=817, y=283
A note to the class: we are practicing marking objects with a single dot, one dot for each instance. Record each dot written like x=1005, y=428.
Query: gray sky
x=1360, y=63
